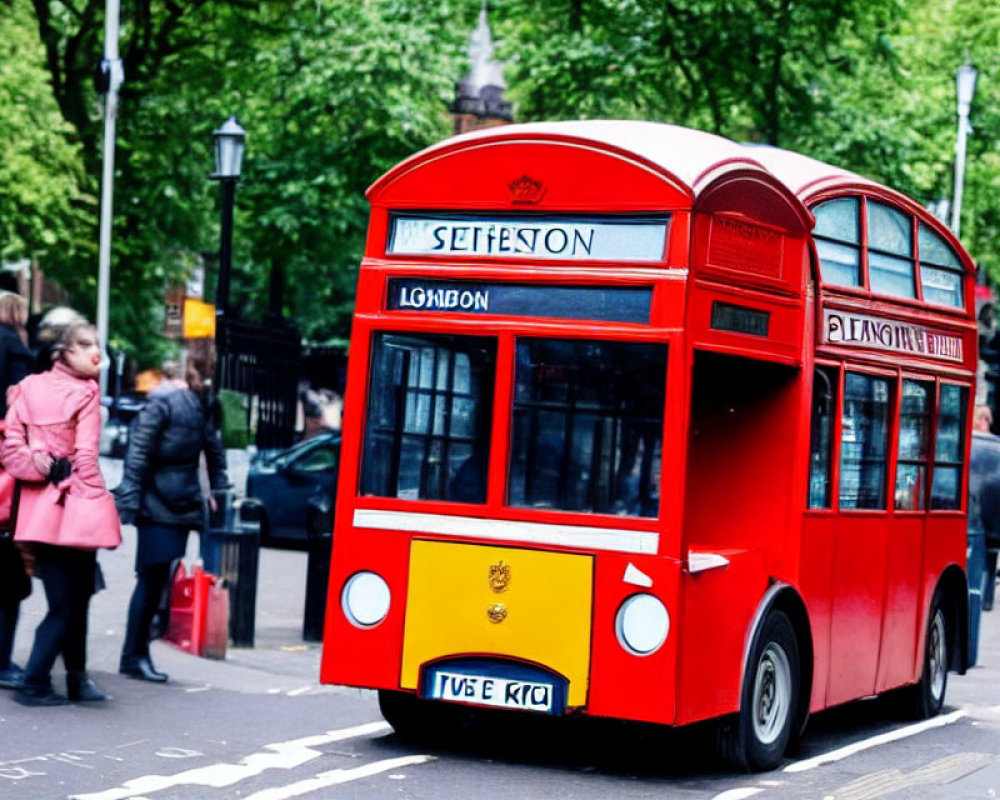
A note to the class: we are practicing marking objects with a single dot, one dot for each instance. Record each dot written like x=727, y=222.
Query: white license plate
x=485, y=690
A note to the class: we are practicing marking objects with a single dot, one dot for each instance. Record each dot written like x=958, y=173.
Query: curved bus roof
x=690, y=155
x=687, y=154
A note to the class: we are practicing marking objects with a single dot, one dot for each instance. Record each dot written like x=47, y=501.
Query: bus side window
x=824, y=405
x=949, y=448
x=863, y=442
x=914, y=445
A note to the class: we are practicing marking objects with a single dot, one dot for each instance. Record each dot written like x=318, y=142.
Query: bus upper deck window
x=430, y=404
x=587, y=425
x=890, y=251
x=940, y=269
x=838, y=241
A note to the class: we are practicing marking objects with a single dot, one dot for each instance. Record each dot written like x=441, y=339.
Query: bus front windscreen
x=430, y=403
x=586, y=422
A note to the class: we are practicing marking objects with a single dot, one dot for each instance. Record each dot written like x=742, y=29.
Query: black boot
x=38, y=695
x=80, y=688
x=142, y=668
x=12, y=677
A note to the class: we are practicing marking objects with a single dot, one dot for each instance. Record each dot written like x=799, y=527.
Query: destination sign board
x=600, y=303
x=566, y=238
x=862, y=330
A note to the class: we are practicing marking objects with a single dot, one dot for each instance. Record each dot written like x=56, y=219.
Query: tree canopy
x=334, y=92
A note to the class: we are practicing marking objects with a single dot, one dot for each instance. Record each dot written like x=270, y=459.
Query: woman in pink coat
x=53, y=432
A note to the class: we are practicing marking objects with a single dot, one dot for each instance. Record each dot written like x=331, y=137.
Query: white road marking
x=738, y=794
x=875, y=741
x=300, y=690
x=338, y=776
x=284, y=755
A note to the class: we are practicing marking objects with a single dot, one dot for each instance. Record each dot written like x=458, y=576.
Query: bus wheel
x=769, y=702
x=926, y=698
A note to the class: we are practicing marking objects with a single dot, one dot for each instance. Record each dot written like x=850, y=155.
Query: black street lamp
x=230, y=141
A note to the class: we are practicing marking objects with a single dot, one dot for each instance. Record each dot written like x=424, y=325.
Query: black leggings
x=9, y=610
x=151, y=580
x=68, y=576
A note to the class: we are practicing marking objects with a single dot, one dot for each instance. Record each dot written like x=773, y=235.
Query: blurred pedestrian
x=52, y=436
x=16, y=362
x=160, y=492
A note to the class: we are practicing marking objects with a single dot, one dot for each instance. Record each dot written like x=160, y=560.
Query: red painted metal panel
x=570, y=176
x=816, y=583
x=623, y=685
x=718, y=607
x=859, y=574
x=902, y=601
x=365, y=657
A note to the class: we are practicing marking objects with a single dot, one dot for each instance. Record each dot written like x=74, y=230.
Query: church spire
x=479, y=100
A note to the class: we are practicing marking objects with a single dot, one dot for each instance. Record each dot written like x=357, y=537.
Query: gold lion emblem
x=497, y=613
x=499, y=577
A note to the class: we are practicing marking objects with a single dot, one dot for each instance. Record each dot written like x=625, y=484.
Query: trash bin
x=231, y=550
x=219, y=520
x=319, y=531
x=975, y=568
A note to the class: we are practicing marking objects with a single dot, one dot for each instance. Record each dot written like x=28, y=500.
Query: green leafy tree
x=332, y=93
x=44, y=191
x=346, y=91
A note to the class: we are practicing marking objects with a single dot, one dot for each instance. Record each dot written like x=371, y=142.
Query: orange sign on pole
x=199, y=319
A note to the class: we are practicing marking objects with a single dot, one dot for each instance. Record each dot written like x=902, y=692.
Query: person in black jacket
x=16, y=362
x=161, y=493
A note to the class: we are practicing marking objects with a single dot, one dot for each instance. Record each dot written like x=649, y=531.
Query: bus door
x=739, y=499
x=860, y=539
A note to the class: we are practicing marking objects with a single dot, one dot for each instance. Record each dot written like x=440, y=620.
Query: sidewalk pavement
x=279, y=651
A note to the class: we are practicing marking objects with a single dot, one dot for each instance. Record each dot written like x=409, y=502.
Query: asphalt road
x=258, y=725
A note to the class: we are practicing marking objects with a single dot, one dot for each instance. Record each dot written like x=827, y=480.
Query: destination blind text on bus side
x=861, y=330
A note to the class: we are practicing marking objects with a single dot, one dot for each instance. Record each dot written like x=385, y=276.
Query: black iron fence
x=263, y=362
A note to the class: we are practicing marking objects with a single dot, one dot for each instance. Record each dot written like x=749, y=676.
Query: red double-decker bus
x=643, y=423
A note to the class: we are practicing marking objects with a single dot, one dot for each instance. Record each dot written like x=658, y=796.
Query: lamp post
x=230, y=141
x=965, y=88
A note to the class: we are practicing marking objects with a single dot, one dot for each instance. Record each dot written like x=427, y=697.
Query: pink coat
x=58, y=413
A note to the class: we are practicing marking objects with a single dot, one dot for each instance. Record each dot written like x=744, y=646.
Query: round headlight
x=642, y=624
x=365, y=599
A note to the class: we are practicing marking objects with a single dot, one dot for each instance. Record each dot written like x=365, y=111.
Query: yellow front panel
x=545, y=605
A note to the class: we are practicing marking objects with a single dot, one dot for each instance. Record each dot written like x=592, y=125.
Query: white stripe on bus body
x=588, y=538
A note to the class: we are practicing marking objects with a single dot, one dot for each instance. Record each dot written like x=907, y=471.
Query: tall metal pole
x=956, y=206
x=222, y=286
x=116, y=75
x=965, y=87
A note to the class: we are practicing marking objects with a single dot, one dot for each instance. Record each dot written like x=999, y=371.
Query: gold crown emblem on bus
x=499, y=577
x=526, y=190
x=497, y=613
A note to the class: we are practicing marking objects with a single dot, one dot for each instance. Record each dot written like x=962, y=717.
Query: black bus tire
x=925, y=699
x=756, y=740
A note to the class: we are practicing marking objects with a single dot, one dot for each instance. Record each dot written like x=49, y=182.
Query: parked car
x=296, y=486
